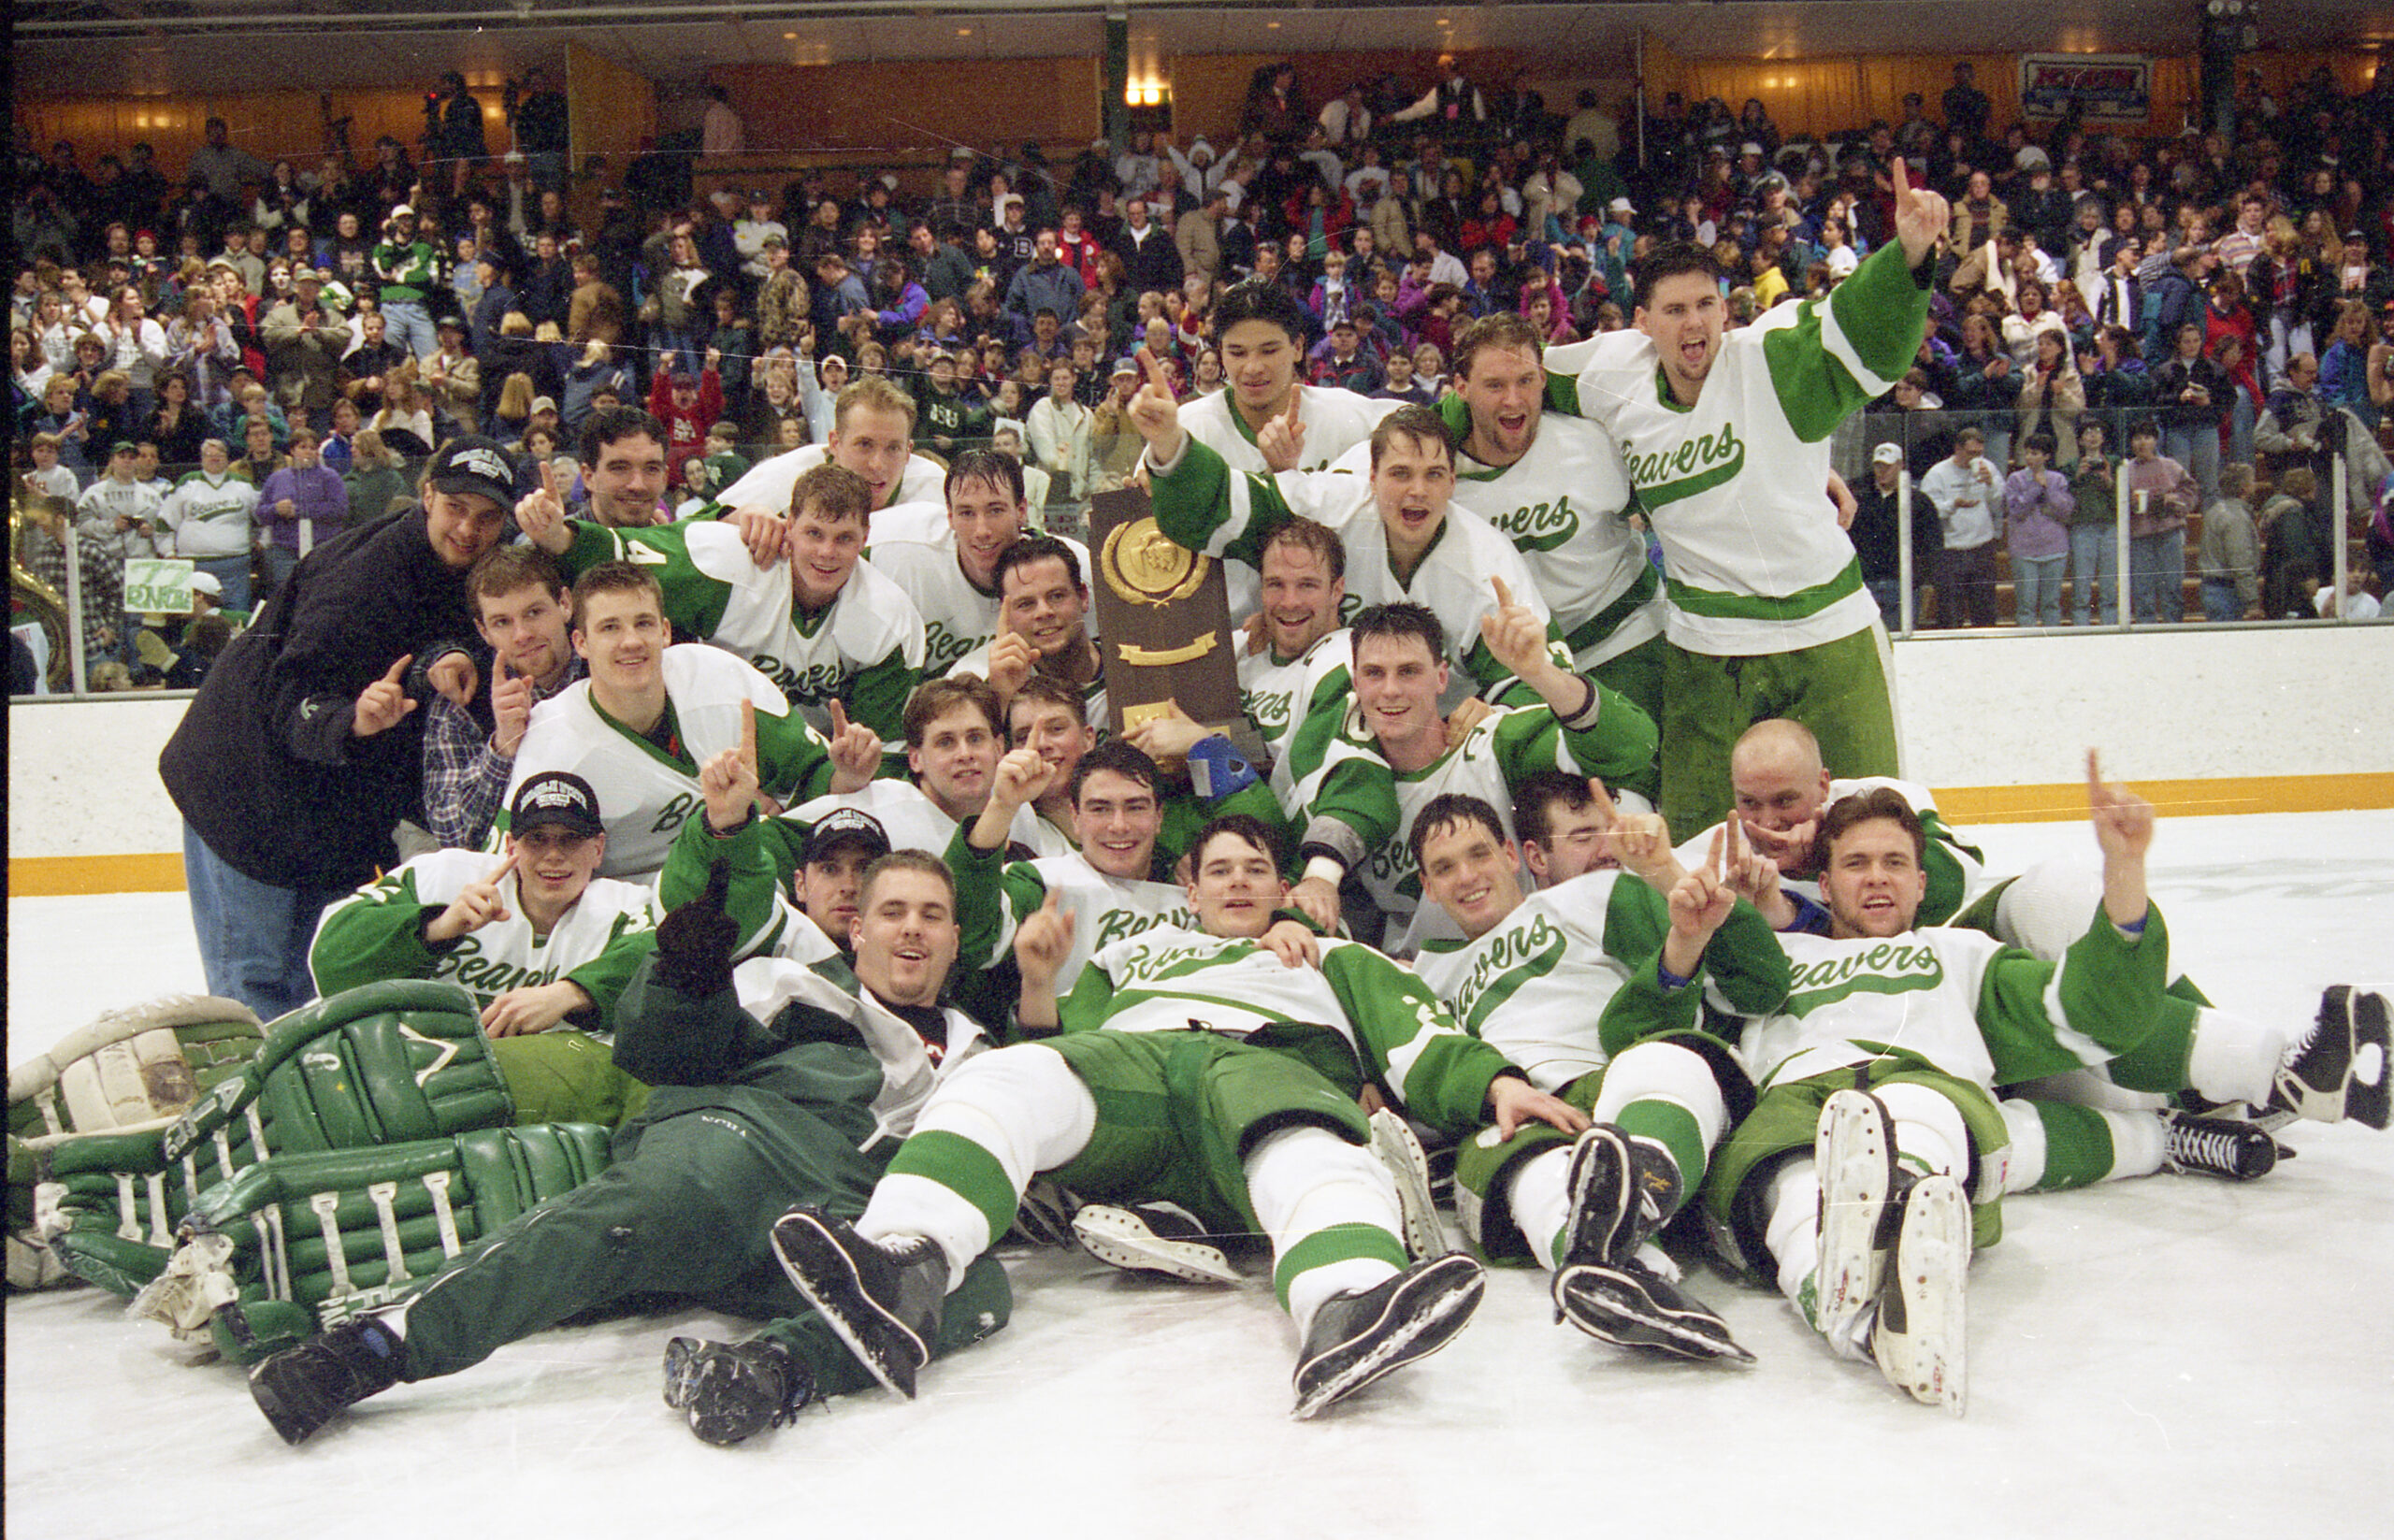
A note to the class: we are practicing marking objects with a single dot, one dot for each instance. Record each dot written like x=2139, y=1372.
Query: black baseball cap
x=557, y=797
x=469, y=464
x=842, y=827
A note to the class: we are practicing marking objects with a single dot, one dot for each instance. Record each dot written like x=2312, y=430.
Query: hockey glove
x=694, y=943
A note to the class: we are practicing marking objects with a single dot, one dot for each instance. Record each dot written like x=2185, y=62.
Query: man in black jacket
x=301, y=751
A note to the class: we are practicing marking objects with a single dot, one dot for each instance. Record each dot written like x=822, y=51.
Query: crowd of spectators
x=316, y=329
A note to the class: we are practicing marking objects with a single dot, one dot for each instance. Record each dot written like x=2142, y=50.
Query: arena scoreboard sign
x=2102, y=88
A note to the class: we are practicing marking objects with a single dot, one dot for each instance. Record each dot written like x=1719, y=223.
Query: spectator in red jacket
x=687, y=407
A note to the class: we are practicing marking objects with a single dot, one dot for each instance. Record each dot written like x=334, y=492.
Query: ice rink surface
x=2172, y=1355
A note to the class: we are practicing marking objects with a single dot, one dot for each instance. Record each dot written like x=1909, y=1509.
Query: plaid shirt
x=465, y=776
x=102, y=578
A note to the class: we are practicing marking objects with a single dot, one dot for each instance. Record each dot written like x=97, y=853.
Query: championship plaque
x=1164, y=619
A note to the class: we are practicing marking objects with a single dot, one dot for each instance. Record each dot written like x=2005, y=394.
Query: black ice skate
x=2229, y=1148
x=734, y=1389
x=1621, y=1191
x=1359, y=1336
x=882, y=1296
x=302, y=1389
x=2338, y=1070
x=1632, y=1304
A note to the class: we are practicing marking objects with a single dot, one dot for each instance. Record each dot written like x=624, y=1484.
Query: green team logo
x=942, y=647
x=1540, y=527
x=1508, y=953
x=488, y=977
x=1268, y=710
x=1122, y=924
x=1890, y=968
x=1696, y=465
x=800, y=686
x=676, y=812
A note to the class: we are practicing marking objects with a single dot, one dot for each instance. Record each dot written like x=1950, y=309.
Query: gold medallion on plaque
x=1142, y=565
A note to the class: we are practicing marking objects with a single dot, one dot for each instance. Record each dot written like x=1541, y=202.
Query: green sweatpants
x=1839, y=689
x=688, y=1209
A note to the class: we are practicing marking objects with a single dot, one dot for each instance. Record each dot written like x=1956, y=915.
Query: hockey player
x=2087, y=1125
x=539, y=940
x=1265, y=421
x=650, y=713
x=770, y=1081
x=1399, y=670
x=1727, y=442
x=1199, y=1066
x=805, y=919
x=1556, y=488
x=1873, y=1163
x=953, y=578
x=1405, y=541
x=953, y=727
x=817, y=621
x=873, y=426
x=1530, y=978
x=1043, y=625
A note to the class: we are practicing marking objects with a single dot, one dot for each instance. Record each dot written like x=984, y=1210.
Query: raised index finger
x=398, y=670
x=1898, y=174
x=549, y=477
x=1720, y=841
x=1503, y=594
x=1603, y=799
x=748, y=733
x=1734, y=827
x=515, y=853
x=839, y=719
x=1153, y=367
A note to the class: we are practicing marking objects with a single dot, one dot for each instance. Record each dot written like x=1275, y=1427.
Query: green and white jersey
x=645, y=792
x=914, y=822
x=209, y=518
x=957, y=617
x=1335, y=792
x=1736, y=484
x=376, y=934
x=1535, y=985
x=919, y=522
x=911, y=1069
x=768, y=483
x=756, y=899
x=1092, y=694
x=1955, y=871
x=1200, y=503
x=1564, y=505
x=993, y=896
x=1611, y=739
x=1335, y=421
x=864, y=650
x=1169, y=980
x=1977, y=1010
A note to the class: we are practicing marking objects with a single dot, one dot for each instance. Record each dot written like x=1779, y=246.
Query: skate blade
x=1451, y=1294
x=801, y=1243
x=1120, y=1240
x=1927, y=1358
x=1612, y=1308
x=1392, y=1142
x=1854, y=1154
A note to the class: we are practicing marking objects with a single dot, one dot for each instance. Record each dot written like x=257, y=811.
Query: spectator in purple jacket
x=302, y=506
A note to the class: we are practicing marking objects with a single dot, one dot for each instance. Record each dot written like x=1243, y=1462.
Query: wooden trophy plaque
x=1164, y=619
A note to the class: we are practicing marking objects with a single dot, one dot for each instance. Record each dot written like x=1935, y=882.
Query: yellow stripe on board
x=51, y=876
x=1962, y=806
x=54, y=876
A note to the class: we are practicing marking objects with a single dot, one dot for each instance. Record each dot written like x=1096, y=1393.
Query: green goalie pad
x=133, y=1072
x=382, y=1064
x=299, y=1242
